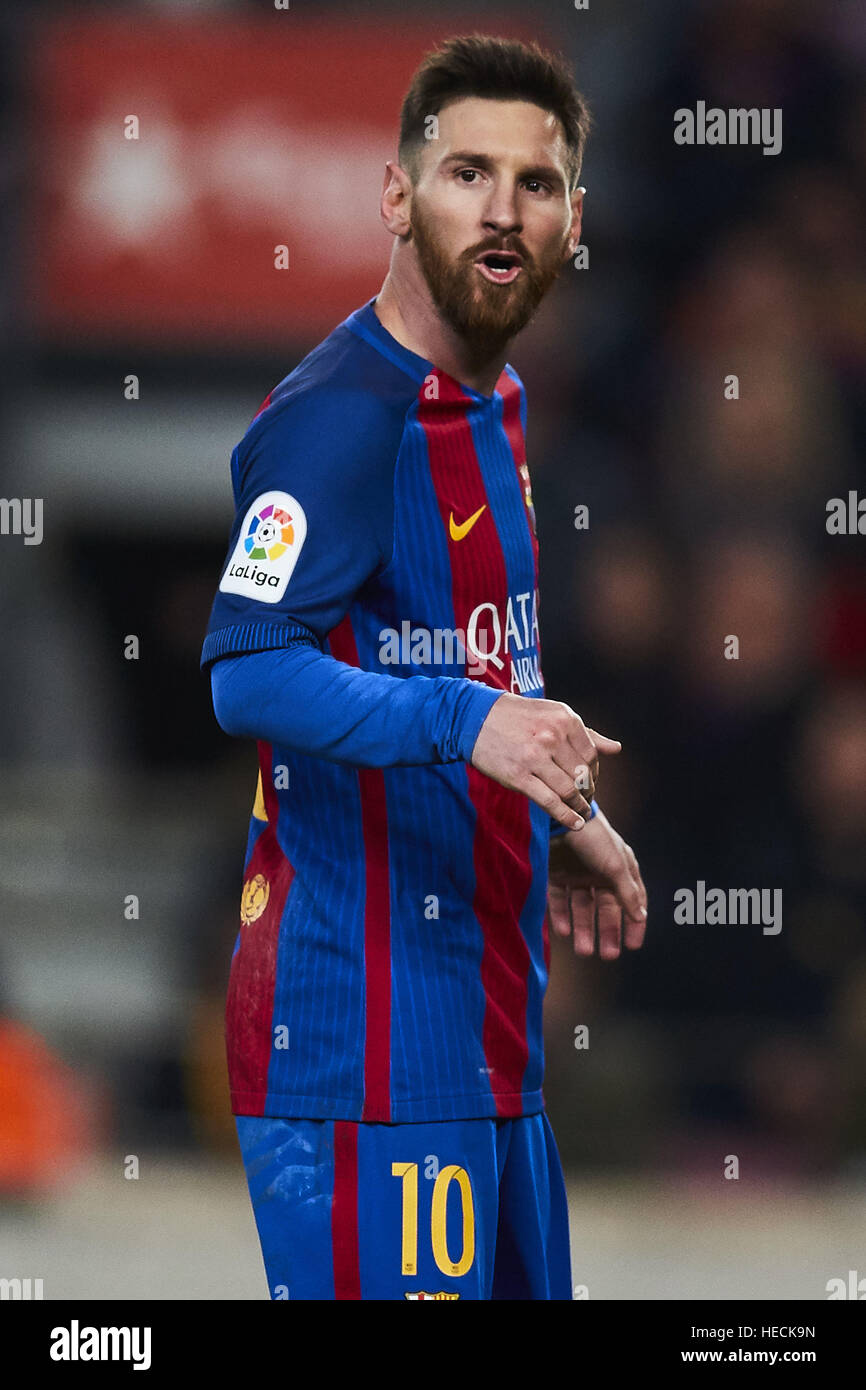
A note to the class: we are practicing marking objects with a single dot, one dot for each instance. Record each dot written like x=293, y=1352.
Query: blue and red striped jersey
x=392, y=954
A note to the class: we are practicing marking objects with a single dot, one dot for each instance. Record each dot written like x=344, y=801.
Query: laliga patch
x=267, y=550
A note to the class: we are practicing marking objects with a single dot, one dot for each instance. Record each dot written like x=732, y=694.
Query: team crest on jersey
x=270, y=540
x=527, y=494
x=441, y=1294
x=254, y=898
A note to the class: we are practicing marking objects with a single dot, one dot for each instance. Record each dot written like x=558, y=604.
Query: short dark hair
x=480, y=65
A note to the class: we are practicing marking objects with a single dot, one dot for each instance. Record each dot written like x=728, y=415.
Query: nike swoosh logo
x=458, y=532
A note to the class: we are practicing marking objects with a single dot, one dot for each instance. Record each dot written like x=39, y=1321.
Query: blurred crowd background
x=153, y=259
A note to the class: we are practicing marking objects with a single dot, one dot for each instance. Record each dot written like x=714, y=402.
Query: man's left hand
x=594, y=874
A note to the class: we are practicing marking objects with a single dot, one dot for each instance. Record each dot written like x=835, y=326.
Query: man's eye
x=461, y=172
x=540, y=184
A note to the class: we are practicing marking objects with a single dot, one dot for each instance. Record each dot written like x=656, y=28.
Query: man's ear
x=576, y=222
x=396, y=201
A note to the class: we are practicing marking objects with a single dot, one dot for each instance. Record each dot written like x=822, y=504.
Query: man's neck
x=410, y=316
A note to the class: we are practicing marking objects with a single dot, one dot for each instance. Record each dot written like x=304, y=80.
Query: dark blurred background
x=144, y=323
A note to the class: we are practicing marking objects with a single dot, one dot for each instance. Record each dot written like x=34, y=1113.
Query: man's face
x=494, y=180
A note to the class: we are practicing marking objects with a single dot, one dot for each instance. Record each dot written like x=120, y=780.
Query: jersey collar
x=367, y=325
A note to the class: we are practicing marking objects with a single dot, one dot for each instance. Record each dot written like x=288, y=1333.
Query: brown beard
x=485, y=315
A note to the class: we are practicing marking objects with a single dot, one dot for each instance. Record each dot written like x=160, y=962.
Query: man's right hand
x=543, y=749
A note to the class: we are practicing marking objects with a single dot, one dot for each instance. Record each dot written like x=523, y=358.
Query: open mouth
x=500, y=267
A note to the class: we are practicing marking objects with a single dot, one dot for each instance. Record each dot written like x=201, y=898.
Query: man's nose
x=501, y=215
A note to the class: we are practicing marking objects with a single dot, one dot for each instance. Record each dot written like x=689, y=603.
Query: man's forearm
x=299, y=697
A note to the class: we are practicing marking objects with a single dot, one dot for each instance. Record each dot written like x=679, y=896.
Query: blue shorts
x=459, y=1209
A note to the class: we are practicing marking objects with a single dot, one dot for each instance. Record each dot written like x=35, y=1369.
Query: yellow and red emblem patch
x=254, y=898
x=527, y=494
x=440, y=1295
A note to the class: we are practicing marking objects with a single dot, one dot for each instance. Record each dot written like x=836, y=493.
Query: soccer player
x=419, y=800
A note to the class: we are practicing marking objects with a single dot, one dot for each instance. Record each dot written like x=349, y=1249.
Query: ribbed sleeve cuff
x=470, y=709
x=254, y=637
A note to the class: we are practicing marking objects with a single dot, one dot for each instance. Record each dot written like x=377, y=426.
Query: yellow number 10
x=409, y=1173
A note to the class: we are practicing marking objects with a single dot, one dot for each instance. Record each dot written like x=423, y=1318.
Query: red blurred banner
x=251, y=135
